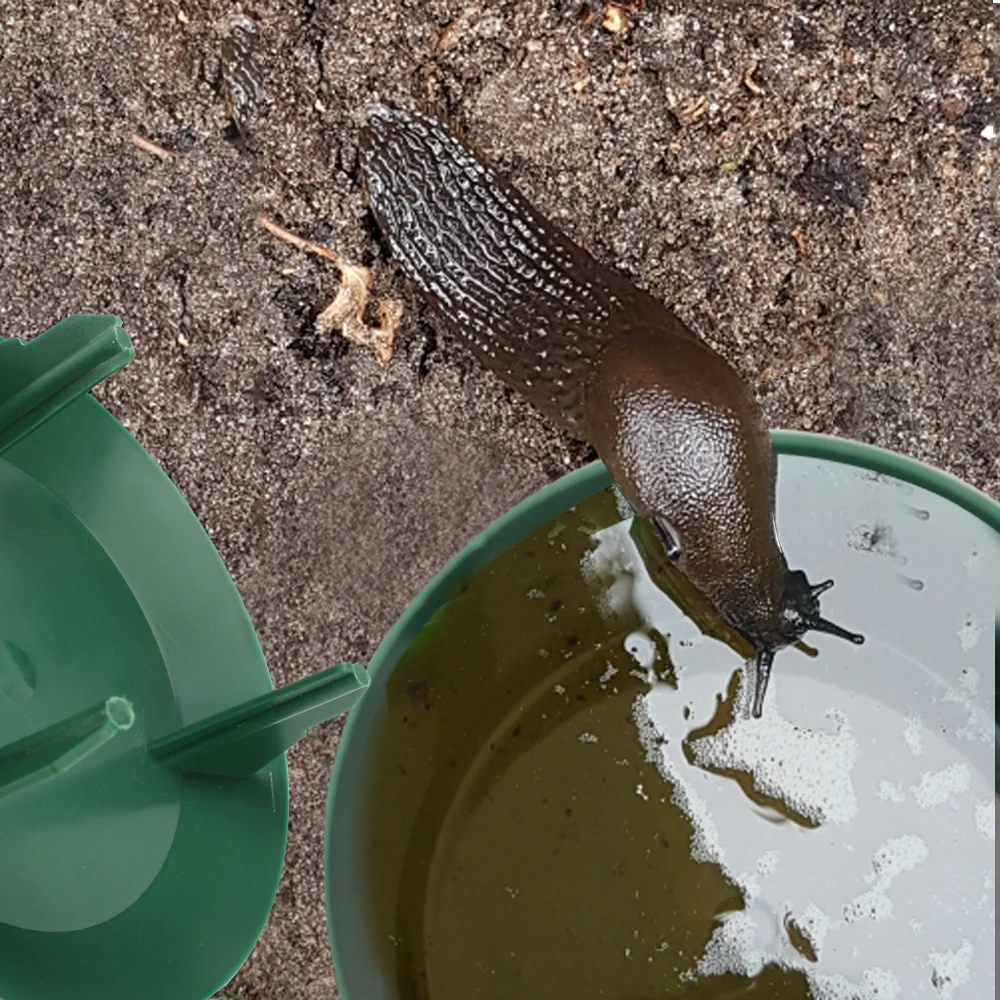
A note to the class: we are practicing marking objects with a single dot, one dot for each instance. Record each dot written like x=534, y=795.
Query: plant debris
x=749, y=82
x=151, y=147
x=693, y=111
x=615, y=20
x=348, y=308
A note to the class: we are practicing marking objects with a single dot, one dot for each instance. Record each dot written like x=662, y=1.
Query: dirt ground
x=812, y=186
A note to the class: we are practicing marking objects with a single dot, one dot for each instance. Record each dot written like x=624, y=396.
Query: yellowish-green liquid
x=521, y=845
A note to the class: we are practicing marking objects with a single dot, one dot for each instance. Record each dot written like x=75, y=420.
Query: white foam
x=889, y=792
x=986, y=819
x=705, y=845
x=937, y=787
x=969, y=679
x=624, y=507
x=978, y=727
x=588, y=738
x=641, y=648
x=766, y=863
x=751, y=882
x=876, y=984
x=892, y=859
x=912, y=735
x=814, y=924
x=901, y=854
x=732, y=948
x=950, y=969
x=871, y=905
x=808, y=770
x=610, y=564
x=968, y=635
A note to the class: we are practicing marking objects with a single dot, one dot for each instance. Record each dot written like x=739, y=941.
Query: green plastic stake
x=40, y=377
x=61, y=746
x=239, y=741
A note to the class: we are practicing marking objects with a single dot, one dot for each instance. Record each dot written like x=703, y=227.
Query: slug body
x=680, y=432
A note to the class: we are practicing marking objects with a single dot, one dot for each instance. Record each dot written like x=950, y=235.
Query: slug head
x=800, y=611
x=684, y=438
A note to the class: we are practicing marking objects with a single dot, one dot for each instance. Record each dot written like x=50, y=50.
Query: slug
x=680, y=432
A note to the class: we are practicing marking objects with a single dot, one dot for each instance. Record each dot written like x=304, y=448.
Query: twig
x=300, y=242
x=150, y=147
x=749, y=82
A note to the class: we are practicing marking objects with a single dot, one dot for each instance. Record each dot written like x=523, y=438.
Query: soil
x=813, y=188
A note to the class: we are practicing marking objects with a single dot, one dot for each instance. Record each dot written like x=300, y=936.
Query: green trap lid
x=143, y=787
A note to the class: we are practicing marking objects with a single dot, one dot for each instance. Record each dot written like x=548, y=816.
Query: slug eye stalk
x=811, y=621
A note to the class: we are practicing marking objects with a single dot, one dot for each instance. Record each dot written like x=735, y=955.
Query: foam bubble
x=986, y=818
x=969, y=679
x=766, y=863
x=808, y=770
x=705, y=844
x=876, y=984
x=624, y=507
x=873, y=905
x=732, y=948
x=641, y=648
x=889, y=792
x=950, y=969
x=913, y=736
x=813, y=923
x=968, y=635
x=978, y=727
x=609, y=567
x=892, y=859
x=937, y=787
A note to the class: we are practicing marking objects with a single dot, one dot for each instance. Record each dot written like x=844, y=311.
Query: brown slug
x=678, y=429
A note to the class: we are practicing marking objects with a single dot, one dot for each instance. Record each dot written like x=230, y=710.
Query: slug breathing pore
x=679, y=430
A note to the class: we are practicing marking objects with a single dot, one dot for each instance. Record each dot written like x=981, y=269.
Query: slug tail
x=533, y=306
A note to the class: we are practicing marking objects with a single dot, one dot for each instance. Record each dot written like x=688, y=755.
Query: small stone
x=954, y=108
